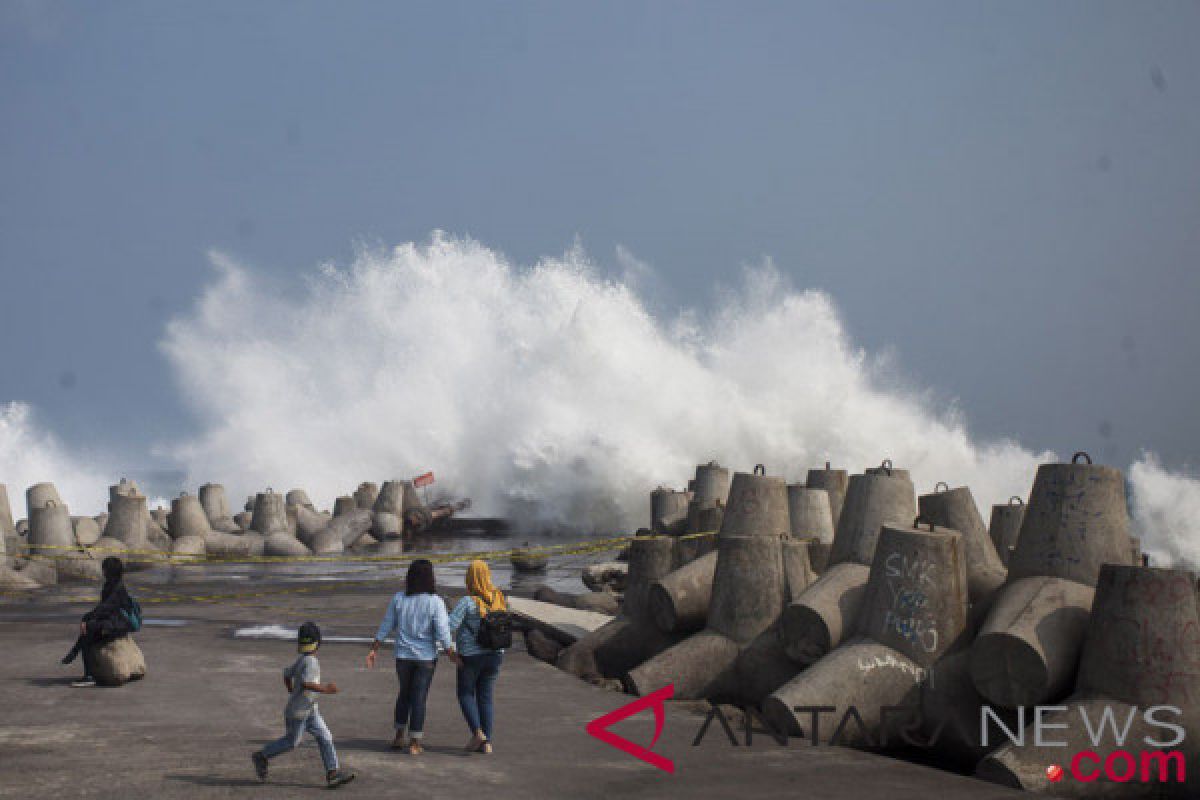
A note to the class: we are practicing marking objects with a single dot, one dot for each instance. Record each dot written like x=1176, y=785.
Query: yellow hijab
x=479, y=583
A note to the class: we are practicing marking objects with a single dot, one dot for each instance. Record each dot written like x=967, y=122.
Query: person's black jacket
x=106, y=618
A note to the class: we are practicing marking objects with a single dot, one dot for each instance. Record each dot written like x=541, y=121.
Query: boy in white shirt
x=303, y=682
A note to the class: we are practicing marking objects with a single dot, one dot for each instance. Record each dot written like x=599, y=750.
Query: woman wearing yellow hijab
x=480, y=665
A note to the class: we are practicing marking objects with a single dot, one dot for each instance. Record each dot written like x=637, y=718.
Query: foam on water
x=549, y=393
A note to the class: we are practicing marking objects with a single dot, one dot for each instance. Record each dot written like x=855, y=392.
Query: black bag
x=495, y=631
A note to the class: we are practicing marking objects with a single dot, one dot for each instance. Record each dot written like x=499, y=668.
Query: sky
x=1002, y=196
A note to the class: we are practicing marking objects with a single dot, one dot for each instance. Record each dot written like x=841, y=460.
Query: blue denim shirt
x=420, y=624
x=465, y=621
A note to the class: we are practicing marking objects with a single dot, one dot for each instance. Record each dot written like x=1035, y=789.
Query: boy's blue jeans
x=476, y=680
x=295, y=732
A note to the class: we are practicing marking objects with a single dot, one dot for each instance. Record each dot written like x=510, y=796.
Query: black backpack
x=495, y=631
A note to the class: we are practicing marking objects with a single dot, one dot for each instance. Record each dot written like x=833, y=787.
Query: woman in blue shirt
x=478, y=667
x=417, y=617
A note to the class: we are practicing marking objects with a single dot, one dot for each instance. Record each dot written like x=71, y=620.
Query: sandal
x=400, y=742
x=414, y=748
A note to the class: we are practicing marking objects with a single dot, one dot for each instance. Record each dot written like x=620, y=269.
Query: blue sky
x=1006, y=195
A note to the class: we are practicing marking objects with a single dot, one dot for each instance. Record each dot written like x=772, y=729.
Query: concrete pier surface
x=210, y=699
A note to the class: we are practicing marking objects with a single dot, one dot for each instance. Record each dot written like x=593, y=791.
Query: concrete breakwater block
x=309, y=523
x=749, y=590
x=189, y=549
x=270, y=513
x=541, y=646
x=50, y=529
x=40, y=494
x=631, y=637
x=118, y=662
x=234, y=545
x=637, y=639
x=87, y=530
x=610, y=575
x=816, y=621
x=679, y=600
x=216, y=508
x=1140, y=665
x=955, y=509
x=284, y=544
x=833, y=481
x=6, y=518
x=344, y=505
x=1005, y=526
x=809, y=513
x=669, y=511
x=365, y=495
x=79, y=566
x=187, y=518
x=914, y=611
x=17, y=581
x=1076, y=521
x=298, y=497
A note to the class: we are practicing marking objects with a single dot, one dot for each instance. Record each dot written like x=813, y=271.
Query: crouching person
x=303, y=682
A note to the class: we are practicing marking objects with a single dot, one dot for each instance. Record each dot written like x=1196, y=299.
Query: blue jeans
x=415, y=678
x=476, y=680
x=295, y=732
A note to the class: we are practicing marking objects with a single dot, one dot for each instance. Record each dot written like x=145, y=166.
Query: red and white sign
x=423, y=480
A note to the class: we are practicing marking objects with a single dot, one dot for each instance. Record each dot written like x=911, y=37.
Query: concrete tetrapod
x=390, y=498
x=87, y=531
x=1140, y=664
x=834, y=481
x=1076, y=520
x=631, y=637
x=39, y=495
x=344, y=505
x=128, y=518
x=669, y=511
x=216, y=508
x=269, y=515
x=763, y=665
x=298, y=497
x=187, y=518
x=812, y=521
x=365, y=495
x=712, y=484
x=385, y=524
x=818, y=620
x=748, y=594
x=650, y=558
x=914, y=611
x=188, y=549
x=710, y=492
x=679, y=600
x=50, y=530
x=955, y=509
x=1005, y=526
x=6, y=518
x=284, y=544
x=235, y=545
x=309, y=523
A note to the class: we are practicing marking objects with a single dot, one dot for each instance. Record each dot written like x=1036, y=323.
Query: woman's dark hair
x=420, y=578
x=112, y=568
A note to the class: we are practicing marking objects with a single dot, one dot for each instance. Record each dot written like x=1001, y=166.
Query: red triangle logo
x=599, y=728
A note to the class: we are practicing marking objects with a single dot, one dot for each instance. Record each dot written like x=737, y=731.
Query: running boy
x=303, y=681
